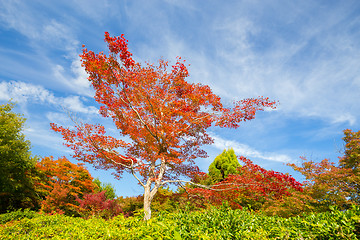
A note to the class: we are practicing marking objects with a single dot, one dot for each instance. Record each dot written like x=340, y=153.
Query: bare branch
x=133, y=173
x=211, y=187
x=187, y=193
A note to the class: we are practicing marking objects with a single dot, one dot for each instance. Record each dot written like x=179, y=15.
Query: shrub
x=96, y=204
x=16, y=215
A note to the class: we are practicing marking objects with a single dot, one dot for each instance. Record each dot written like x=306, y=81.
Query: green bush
x=16, y=215
x=213, y=224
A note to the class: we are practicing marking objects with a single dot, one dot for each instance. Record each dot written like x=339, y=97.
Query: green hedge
x=18, y=214
x=212, y=224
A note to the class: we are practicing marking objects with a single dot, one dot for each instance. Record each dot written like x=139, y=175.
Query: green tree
x=16, y=163
x=224, y=164
x=107, y=187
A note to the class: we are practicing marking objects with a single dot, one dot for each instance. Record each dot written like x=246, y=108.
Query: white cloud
x=312, y=70
x=78, y=81
x=58, y=35
x=234, y=35
x=247, y=151
x=347, y=117
x=184, y=5
x=41, y=135
x=81, y=76
x=73, y=103
x=4, y=91
x=24, y=93
x=59, y=118
x=46, y=34
x=31, y=22
x=15, y=15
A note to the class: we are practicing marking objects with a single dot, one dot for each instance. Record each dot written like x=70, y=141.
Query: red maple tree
x=96, y=204
x=252, y=185
x=163, y=116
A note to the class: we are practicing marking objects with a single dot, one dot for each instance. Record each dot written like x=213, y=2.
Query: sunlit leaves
x=214, y=224
x=16, y=163
x=224, y=164
x=163, y=116
x=61, y=182
x=328, y=183
x=252, y=185
x=96, y=204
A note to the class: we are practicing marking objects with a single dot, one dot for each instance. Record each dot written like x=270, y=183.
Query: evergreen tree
x=16, y=163
x=224, y=164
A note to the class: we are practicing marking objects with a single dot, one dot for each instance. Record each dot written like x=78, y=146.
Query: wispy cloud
x=40, y=135
x=26, y=93
x=75, y=79
x=23, y=92
x=307, y=62
x=247, y=151
x=42, y=31
x=46, y=34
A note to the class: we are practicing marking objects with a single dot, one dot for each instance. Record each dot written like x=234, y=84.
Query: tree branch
x=210, y=187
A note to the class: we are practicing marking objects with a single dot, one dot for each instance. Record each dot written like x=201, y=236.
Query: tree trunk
x=150, y=193
x=147, y=204
x=148, y=197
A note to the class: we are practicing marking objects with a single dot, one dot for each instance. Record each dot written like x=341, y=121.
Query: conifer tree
x=224, y=164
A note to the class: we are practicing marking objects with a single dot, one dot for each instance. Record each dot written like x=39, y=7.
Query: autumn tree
x=61, y=183
x=328, y=183
x=163, y=117
x=251, y=185
x=290, y=205
x=351, y=161
x=16, y=162
x=98, y=204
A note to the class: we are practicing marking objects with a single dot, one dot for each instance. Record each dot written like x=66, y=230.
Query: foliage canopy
x=16, y=162
x=224, y=164
x=61, y=183
x=163, y=116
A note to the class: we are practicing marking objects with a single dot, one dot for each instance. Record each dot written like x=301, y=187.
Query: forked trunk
x=150, y=193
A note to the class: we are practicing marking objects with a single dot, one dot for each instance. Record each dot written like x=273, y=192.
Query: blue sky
x=305, y=54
